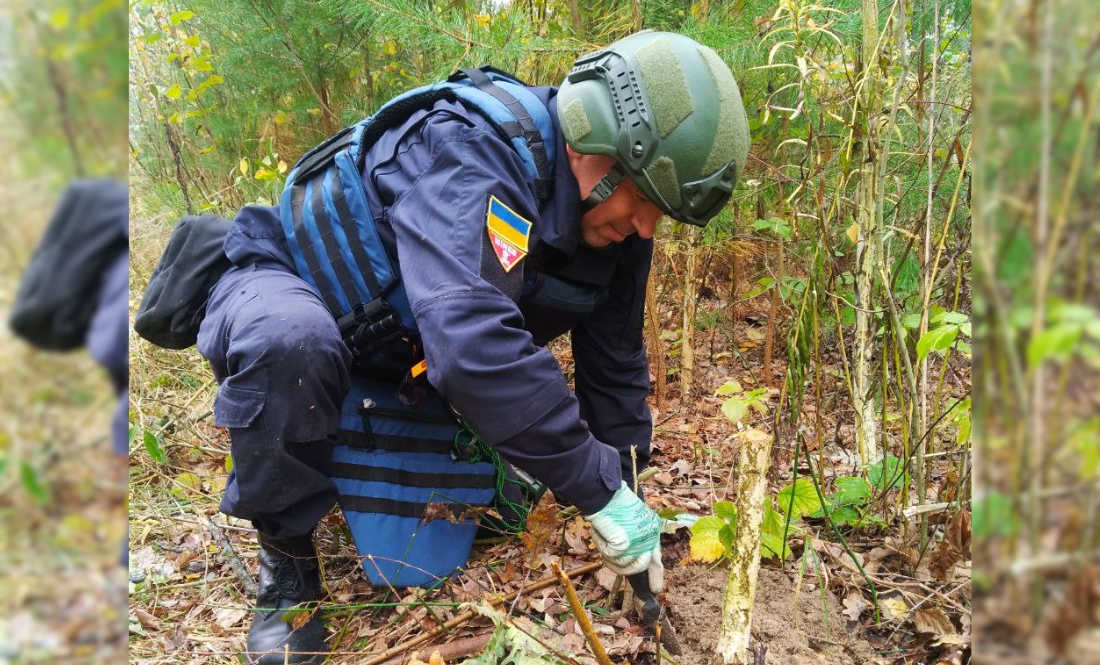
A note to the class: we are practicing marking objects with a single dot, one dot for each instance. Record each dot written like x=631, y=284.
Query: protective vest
x=406, y=471
x=328, y=224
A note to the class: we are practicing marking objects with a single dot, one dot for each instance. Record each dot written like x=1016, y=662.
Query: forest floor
x=190, y=603
x=62, y=491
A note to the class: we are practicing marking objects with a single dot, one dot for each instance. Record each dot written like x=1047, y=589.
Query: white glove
x=628, y=535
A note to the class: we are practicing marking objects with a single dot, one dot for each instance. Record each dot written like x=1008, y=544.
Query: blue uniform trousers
x=283, y=371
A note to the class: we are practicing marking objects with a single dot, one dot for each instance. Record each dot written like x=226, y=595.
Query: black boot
x=289, y=575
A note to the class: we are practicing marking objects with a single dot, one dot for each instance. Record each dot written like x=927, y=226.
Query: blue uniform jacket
x=429, y=183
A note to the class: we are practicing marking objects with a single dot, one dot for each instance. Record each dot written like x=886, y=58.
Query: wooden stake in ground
x=752, y=485
x=582, y=617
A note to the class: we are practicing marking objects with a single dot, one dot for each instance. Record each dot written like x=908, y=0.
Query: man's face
x=625, y=212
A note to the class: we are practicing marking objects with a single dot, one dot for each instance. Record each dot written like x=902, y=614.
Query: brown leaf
x=932, y=621
x=437, y=511
x=954, y=547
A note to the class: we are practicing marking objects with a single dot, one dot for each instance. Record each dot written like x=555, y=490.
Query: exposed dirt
x=810, y=630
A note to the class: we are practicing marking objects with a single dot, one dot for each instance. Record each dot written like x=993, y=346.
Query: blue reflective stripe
x=339, y=234
x=332, y=288
x=286, y=218
x=352, y=183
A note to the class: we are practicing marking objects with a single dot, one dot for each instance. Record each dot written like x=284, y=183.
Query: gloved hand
x=628, y=535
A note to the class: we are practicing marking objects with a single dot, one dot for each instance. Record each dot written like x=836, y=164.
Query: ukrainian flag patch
x=508, y=233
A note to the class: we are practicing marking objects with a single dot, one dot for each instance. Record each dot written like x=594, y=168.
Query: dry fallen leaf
x=894, y=609
x=932, y=621
x=854, y=605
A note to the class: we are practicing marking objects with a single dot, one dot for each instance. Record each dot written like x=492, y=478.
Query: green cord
x=471, y=448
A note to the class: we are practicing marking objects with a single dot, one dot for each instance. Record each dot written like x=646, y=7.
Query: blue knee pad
x=406, y=496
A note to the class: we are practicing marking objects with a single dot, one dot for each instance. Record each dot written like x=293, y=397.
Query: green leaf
x=153, y=447
x=1055, y=343
x=706, y=543
x=845, y=515
x=734, y=409
x=851, y=491
x=888, y=470
x=771, y=534
x=180, y=17
x=725, y=534
x=726, y=510
x=911, y=321
x=800, y=498
x=228, y=463
x=954, y=318
x=729, y=388
x=994, y=515
x=33, y=484
x=937, y=339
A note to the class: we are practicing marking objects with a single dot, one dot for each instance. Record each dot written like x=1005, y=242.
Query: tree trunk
x=862, y=379
x=575, y=18
x=687, y=348
x=752, y=486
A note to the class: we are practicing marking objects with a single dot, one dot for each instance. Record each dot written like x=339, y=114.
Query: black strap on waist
x=381, y=474
x=369, y=504
x=375, y=441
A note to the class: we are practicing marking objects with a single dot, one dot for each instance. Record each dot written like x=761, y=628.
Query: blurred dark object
x=175, y=299
x=59, y=293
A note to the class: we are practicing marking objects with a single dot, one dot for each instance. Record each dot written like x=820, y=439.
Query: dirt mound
x=809, y=631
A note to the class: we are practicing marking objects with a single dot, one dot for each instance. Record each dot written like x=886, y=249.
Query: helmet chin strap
x=603, y=189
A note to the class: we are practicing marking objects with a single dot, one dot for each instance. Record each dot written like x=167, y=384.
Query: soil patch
x=811, y=631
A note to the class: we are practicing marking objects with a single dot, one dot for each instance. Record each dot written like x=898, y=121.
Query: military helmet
x=668, y=110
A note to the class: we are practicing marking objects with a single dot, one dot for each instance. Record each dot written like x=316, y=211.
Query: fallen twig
x=470, y=614
x=247, y=583
x=460, y=648
x=582, y=617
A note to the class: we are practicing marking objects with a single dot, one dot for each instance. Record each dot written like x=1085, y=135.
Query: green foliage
x=739, y=403
x=799, y=498
x=887, y=473
x=154, y=448
x=33, y=483
x=994, y=515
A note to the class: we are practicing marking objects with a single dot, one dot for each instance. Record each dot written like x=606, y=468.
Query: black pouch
x=175, y=300
x=59, y=291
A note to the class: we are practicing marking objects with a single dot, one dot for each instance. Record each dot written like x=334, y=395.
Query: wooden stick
x=470, y=614
x=582, y=617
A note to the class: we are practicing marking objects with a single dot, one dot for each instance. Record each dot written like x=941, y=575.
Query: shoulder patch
x=508, y=233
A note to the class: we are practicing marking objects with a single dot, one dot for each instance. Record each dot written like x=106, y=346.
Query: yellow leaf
x=189, y=481
x=244, y=166
x=193, y=40
x=228, y=463
x=706, y=544
x=264, y=175
x=390, y=47
x=174, y=92
x=313, y=111
x=59, y=20
x=280, y=117
x=282, y=166
x=853, y=232
x=482, y=19
x=207, y=150
x=894, y=609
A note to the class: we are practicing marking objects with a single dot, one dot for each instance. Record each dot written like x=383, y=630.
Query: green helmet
x=668, y=110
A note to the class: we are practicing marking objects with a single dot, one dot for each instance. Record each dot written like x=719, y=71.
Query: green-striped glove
x=628, y=535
